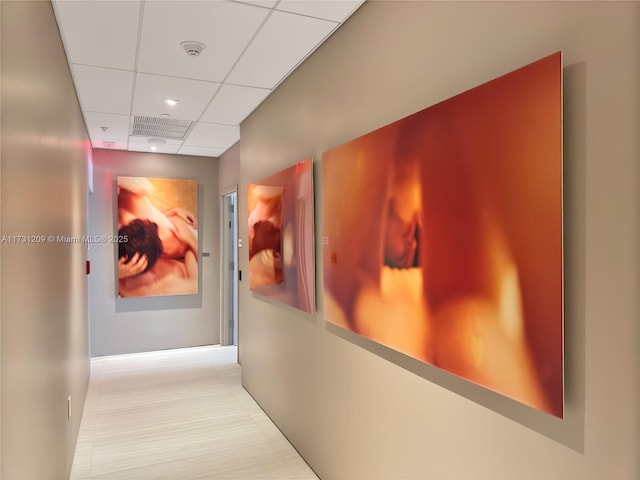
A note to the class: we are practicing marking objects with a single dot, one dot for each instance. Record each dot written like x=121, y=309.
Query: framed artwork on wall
x=443, y=235
x=157, y=237
x=281, y=237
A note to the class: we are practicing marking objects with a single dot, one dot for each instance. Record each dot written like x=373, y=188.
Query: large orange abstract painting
x=157, y=237
x=443, y=235
x=281, y=246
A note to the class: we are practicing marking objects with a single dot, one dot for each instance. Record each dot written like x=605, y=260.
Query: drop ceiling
x=126, y=60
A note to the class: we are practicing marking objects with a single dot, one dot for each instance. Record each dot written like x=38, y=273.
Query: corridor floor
x=177, y=415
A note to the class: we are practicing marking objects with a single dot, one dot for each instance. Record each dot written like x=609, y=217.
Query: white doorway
x=229, y=264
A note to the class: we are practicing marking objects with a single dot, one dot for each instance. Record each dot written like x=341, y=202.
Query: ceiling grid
x=127, y=61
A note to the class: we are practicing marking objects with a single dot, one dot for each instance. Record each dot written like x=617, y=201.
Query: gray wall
x=355, y=409
x=45, y=150
x=229, y=168
x=127, y=325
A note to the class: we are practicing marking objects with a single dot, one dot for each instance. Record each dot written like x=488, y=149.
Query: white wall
x=45, y=147
x=127, y=325
x=355, y=409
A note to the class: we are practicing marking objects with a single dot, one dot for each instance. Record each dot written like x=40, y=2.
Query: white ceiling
x=126, y=60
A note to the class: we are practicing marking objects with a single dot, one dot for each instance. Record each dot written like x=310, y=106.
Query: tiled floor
x=178, y=414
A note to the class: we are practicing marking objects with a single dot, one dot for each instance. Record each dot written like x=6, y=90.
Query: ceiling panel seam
x=135, y=73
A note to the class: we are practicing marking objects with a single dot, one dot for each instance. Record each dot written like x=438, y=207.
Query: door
x=229, y=263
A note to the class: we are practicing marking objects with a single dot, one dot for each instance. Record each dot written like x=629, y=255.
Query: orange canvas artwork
x=157, y=237
x=443, y=235
x=281, y=247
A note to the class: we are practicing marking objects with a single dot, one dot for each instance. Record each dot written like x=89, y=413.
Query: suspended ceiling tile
x=152, y=90
x=117, y=126
x=260, y=3
x=102, y=33
x=201, y=151
x=103, y=89
x=225, y=28
x=282, y=43
x=233, y=103
x=150, y=140
x=336, y=10
x=213, y=135
x=146, y=147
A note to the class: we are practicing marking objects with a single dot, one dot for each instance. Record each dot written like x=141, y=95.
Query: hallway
x=178, y=414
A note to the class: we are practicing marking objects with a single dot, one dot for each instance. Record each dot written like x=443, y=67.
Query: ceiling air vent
x=160, y=127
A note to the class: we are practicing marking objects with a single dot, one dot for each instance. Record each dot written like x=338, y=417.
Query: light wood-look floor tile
x=178, y=415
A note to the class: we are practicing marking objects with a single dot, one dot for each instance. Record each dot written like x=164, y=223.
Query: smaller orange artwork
x=157, y=237
x=281, y=248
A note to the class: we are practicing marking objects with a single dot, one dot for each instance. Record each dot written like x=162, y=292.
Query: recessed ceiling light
x=153, y=148
x=171, y=102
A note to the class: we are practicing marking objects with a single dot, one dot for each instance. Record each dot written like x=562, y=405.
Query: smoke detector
x=157, y=141
x=193, y=48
